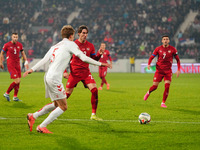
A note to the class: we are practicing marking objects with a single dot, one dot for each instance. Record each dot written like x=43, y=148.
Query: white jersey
x=59, y=56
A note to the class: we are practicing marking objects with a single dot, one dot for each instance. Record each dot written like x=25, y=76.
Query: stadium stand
x=128, y=27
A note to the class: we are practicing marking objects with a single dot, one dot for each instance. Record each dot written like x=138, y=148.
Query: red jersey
x=77, y=66
x=105, y=56
x=165, y=57
x=12, y=52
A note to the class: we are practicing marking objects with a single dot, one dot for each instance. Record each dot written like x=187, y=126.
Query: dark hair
x=165, y=36
x=82, y=27
x=15, y=33
x=66, y=31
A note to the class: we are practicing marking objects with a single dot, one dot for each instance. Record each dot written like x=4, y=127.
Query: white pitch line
x=175, y=122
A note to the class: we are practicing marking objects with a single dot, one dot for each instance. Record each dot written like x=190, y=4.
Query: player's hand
x=178, y=73
x=65, y=75
x=148, y=67
x=27, y=72
x=106, y=65
x=1, y=66
x=110, y=66
x=26, y=66
x=101, y=51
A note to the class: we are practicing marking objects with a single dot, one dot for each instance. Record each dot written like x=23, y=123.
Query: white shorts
x=54, y=90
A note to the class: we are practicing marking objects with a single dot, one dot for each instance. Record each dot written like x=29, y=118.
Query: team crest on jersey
x=18, y=47
x=88, y=49
x=160, y=51
x=169, y=51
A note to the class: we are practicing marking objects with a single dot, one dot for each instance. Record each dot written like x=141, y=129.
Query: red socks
x=16, y=89
x=94, y=99
x=68, y=95
x=153, y=88
x=166, y=92
x=12, y=85
x=103, y=81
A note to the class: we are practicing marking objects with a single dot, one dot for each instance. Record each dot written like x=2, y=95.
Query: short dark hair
x=165, y=36
x=82, y=27
x=15, y=33
x=66, y=31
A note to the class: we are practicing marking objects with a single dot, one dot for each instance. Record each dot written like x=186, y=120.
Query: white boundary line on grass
x=176, y=122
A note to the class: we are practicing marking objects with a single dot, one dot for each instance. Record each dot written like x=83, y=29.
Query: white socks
x=52, y=116
x=46, y=109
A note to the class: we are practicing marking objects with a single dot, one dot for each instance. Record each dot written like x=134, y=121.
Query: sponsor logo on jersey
x=18, y=47
x=160, y=51
x=169, y=51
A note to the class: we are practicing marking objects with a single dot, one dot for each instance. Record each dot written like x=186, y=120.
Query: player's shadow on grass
x=193, y=112
x=21, y=105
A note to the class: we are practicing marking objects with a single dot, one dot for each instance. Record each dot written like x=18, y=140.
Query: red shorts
x=14, y=70
x=73, y=80
x=102, y=71
x=160, y=75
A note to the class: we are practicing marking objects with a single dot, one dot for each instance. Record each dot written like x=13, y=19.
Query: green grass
x=175, y=127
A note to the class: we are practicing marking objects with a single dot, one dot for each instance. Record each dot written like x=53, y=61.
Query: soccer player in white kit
x=58, y=56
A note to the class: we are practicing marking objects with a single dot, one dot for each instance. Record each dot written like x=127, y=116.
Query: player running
x=103, y=70
x=12, y=50
x=165, y=54
x=80, y=70
x=58, y=56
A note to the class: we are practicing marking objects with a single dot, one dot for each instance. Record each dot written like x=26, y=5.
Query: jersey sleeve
x=21, y=47
x=43, y=61
x=77, y=52
x=109, y=57
x=4, y=49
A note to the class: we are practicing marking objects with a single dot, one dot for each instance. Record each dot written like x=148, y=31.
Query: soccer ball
x=144, y=118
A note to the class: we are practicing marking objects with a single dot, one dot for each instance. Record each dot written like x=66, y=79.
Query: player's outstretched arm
x=179, y=66
x=27, y=72
x=106, y=65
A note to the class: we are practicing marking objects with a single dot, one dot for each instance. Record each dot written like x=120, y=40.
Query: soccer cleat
x=7, y=96
x=100, y=88
x=94, y=117
x=43, y=130
x=108, y=86
x=31, y=121
x=146, y=96
x=16, y=99
x=163, y=105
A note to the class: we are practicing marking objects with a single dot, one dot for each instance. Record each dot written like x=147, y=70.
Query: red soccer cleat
x=31, y=121
x=163, y=105
x=100, y=88
x=146, y=96
x=43, y=130
x=108, y=86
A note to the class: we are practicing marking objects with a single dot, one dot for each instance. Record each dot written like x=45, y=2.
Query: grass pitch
x=174, y=127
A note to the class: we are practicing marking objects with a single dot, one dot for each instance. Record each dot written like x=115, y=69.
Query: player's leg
x=16, y=89
x=156, y=80
x=167, y=80
x=57, y=94
x=101, y=76
x=14, y=76
x=62, y=107
x=71, y=83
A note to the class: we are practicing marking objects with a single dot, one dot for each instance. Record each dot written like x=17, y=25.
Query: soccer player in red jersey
x=103, y=70
x=165, y=54
x=80, y=70
x=12, y=50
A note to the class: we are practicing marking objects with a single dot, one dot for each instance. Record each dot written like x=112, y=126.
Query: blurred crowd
x=129, y=28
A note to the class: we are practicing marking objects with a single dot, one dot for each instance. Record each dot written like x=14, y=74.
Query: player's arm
x=150, y=60
x=25, y=59
x=77, y=52
x=65, y=74
x=109, y=57
x=1, y=59
x=178, y=64
x=96, y=56
x=43, y=61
